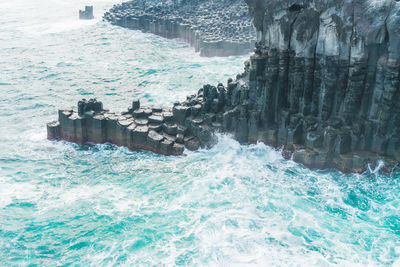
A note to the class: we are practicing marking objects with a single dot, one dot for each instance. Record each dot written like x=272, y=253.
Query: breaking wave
x=232, y=205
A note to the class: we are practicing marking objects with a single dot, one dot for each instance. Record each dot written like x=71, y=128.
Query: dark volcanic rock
x=323, y=83
x=214, y=28
x=327, y=73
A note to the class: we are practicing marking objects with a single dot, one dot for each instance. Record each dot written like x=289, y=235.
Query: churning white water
x=231, y=205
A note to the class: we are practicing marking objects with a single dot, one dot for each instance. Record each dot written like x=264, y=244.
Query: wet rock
x=313, y=140
x=217, y=126
x=171, y=138
x=343, y=143
x=111, y=126
x=154, y=140
x=158, y=119
x=139, y=135
x=326, y=89
x=139, y=113
x=168, y=116
x=179, y=138
x=181, y=113
x=166, y=147
x=195, y=110
x=141, y=121
x=171, y=129
x=147, y=112
x=92, y=105
x=53, y=130
x=155, y=127
x=157, y=110
x=122, y=137
x=253, y=127
x=192, y=144
x=209, y=118
x=182, y=129
x=97, y=131
x=135, y=104
x=86, y=14
x=177, y=149
x=63, y=115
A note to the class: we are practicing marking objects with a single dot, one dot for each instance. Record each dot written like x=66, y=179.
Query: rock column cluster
x=323, y=84
x=327, y=78
x=213, y=28
x=140, y=128
x=87, y=13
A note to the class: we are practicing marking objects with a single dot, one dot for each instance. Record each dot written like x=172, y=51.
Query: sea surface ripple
x=232, y=205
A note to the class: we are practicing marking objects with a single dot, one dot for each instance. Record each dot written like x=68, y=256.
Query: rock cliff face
x=325, y=77
x=323, y=84
x=213, y=28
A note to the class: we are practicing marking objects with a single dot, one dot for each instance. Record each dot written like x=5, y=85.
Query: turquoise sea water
x=233, y=205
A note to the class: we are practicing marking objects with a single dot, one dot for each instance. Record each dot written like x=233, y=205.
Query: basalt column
x=323, y=84
x=330, y=83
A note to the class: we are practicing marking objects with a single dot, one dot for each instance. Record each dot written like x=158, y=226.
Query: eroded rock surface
x=326, y=74
x=323, y=84
x=160, y=130
x=214, y=28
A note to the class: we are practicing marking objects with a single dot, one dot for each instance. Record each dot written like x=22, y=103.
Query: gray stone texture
x=213, y=28
x=328, y=72
x=323, y=84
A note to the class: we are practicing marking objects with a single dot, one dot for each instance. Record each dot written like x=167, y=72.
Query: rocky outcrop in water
x=326, y=79
x=87, y=13
x=214, y=28
x=160, y=130
x=323, y=84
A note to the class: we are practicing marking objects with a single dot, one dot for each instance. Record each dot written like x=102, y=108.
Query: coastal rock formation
x=214, y=28
x=87, y=13
x=323, y=84
x=160, y=130
x=326, y=79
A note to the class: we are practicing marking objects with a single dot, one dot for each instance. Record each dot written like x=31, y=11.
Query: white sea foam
x=232, y=205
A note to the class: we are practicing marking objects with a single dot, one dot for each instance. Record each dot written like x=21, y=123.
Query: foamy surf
x=231, y=205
